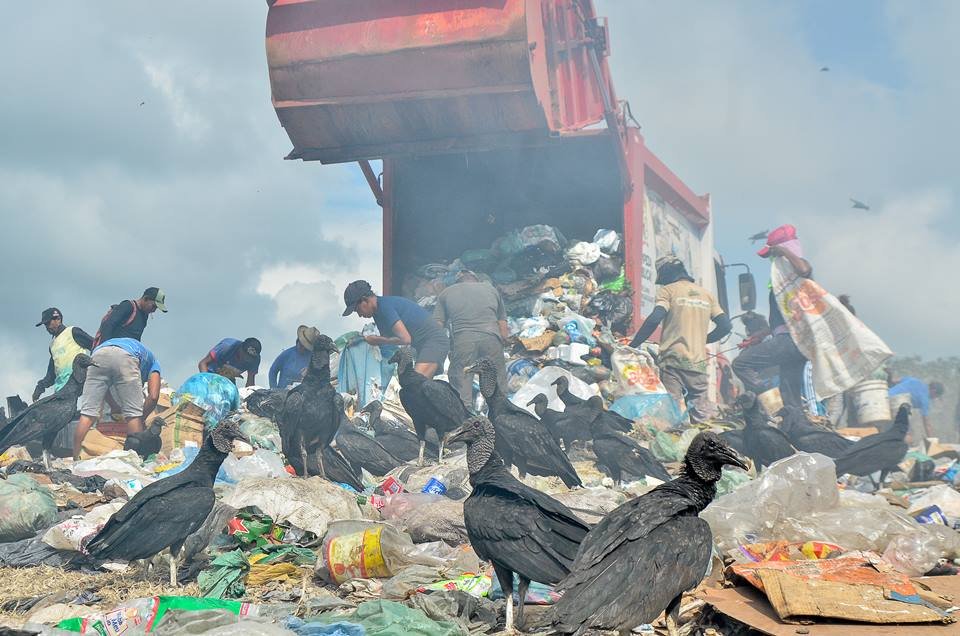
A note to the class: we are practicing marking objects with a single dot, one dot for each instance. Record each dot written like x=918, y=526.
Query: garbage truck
x=488, y=115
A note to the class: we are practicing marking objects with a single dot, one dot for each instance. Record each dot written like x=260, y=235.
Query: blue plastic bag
x=640, y=406
x=215, y=394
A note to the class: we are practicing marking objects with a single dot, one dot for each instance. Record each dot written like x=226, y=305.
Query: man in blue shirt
x=291, y=363
x=231, y=358
x=921, y=395
x=400, y=322
x=120, y=365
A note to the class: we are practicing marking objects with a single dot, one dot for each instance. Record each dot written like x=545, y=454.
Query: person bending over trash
x=68, y=342
x=231, y=358
x=921, y=395
x=780, y=350
x=685, y=309
x=400, y=322
x=474, y=313
x=120, y=365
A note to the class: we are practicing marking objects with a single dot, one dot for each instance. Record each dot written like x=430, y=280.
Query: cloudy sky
x=140, y=148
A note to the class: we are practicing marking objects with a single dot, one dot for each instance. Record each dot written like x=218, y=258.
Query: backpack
x=98, y=338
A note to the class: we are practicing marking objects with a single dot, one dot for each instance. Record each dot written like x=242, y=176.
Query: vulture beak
x=732, y=458
x=454, y=436
x=473, y=368
x=555, y=382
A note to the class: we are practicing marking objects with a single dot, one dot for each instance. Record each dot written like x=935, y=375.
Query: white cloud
x=187, y=119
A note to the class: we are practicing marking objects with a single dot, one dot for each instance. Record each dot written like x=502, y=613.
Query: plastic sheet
x=261, y=431
x=25, y=508
x=74, y=533
x=656, y=409
x=542, y=383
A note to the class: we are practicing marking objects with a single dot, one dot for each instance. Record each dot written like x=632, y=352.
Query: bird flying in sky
x=858, y=205
x=759, y=236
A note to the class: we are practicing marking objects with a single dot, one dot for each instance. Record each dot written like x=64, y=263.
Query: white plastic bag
x=542, y=383
x=309, y=504
x=634, y=372
x=75, y=532
x=842, y=350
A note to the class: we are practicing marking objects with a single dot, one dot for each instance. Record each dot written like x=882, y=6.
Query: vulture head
x=708, y=454
x=562, y=383
x=81, y=362
x=226, y=431
x=403, y=359
x=488, y=376
x=539, y=402
x=480, y=437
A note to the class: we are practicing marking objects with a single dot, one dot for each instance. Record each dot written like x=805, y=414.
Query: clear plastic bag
x=215, y=394
x=542, y=382
x=634, y=373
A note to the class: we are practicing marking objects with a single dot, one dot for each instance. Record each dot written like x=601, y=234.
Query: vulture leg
x=672, y=615
x=46, y=459
x=505, y=577
x=522, y=594
x=173, y=569
x=423, y=445
x=883, y=476
x=440, y=458
x=303, y=459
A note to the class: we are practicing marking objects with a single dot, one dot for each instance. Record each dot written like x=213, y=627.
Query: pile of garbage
x=569, y=306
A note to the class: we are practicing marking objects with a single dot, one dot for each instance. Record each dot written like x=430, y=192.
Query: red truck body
x=489, y=115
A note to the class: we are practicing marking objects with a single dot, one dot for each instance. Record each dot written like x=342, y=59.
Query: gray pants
x=467, y=348
x=688, y=388
x=116, y=371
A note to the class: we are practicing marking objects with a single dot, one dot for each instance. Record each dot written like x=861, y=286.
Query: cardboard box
x=182, y=424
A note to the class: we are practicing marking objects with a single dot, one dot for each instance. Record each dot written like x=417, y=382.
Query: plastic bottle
x=367, y=549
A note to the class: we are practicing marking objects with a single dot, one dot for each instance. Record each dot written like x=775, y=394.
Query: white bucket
x=898, y=400
x=870, y=400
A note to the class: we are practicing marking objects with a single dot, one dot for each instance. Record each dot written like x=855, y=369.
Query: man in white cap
x=291, y=363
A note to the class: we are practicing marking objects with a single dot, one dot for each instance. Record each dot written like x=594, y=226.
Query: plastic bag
x=842, y=350
x=542, y=382
x=633, y=372
x=262, y=464
x=366, y=549
x=584, y=253
x=649, y=409
x=309, y=504
x=75, y=532
x=143, y=614
x=213, y=393
x=118, y=464
x=943, y=496
x=261, y=431
x=426, y=517
x=607, y=240
x=25, y=508
x=453, y=474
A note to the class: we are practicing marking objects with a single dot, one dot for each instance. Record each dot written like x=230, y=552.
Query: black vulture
x=335, y=468
x=166, y=512
x=311, y=411
x=394, y=435
x=146, y=443
x=363, y=451
x=575, y=406
x=522, y=439
x=881, y=451
x=45, y=418
x=641, y=558
x=764, y=444
x=266, y=402
x=810, y=438
x=518, y=528
x=429, y=403
x=564, y=430
x=619, y=453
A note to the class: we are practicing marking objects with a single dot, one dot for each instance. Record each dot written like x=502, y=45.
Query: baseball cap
x=354, y=293
x=780, y=235
x=156, y=294
x=48, y=315
x=252, y=347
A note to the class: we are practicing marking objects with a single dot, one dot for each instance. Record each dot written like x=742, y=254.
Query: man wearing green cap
x=128, y=318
